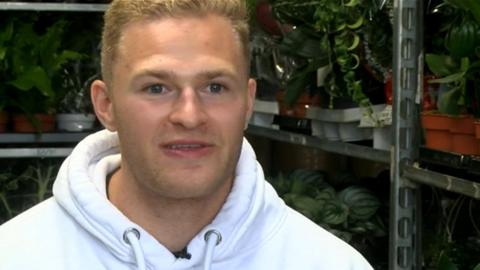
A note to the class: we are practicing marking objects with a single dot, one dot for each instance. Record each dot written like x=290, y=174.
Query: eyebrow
x=171, y=75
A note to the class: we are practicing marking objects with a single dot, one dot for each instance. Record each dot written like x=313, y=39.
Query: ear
x=251, y=92
x=102, y=103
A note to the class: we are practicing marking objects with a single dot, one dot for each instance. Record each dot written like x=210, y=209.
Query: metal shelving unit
x=62, y=7
x=19, y=138
x=443, y=181
x=35, y=145
x=347, y=149
x=42, y=152
x=14, y=145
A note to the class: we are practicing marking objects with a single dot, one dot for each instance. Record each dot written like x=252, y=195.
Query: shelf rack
x=13, y=145
x=62, y=7
x=442, y=181
x=343, y=148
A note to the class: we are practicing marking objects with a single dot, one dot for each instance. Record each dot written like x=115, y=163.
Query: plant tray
x=340, y=124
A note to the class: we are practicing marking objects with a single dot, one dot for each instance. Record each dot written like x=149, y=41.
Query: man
x=171, y=183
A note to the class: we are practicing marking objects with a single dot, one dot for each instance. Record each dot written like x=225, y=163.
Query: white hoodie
x=80, y=229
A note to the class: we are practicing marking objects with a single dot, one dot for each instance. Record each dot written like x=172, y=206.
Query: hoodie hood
x=80, y=189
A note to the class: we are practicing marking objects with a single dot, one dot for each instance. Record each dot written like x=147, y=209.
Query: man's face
x=180, y=98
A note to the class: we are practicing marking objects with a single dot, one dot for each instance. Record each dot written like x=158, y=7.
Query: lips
x=185, y=146
x=187, y=149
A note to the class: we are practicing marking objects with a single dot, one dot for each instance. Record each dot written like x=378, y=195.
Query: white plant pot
x=330, y=131
x=264, y=113
x=382, y=138
x=75, y=122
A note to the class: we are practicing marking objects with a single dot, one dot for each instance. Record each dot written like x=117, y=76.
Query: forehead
x=181, y=39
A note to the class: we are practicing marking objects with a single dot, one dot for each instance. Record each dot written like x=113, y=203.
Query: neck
x=173, y=222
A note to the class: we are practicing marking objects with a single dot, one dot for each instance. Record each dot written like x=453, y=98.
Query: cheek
x=134, y=115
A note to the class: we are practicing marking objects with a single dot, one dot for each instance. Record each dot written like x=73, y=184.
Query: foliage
x=334, y=28
x=34, y=62
x=452, y=233
x=348, y=213
x=77, y=99
x=7, y=184
x=458, y=65
x=20, y=190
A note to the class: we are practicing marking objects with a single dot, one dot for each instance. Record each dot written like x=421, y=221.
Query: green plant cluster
x=20, y=190
x=349, y=213
x=33, y=63
x=326, y=33
x=457, y=63
x=451, y=238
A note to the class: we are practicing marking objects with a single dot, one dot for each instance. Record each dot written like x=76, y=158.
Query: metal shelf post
x=405, y=214
x=62, y=7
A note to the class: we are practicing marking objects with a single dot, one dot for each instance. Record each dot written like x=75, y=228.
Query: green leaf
x=456, y=77
x=34, y=77
x=441, y=65
x=298, y=186
x=7, y=34
x=302, y=43
x=307, y=206
x=477, y=267
x=295, y=87
x=445, y=263
x=64, y=58
x=3, y=52
x=448, y=102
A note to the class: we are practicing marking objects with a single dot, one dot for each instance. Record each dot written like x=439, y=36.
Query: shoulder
x=34, y=219
x=29, y=238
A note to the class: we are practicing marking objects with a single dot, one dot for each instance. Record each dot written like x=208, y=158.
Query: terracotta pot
x=46, y=123
x=477, y=133
x=437, y=130
x=463, y=135
x=3, y=121
x=298, y=109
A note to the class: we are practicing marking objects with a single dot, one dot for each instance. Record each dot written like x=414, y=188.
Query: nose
x=188, y=110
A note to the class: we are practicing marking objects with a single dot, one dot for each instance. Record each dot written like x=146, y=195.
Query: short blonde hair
x=123, y=12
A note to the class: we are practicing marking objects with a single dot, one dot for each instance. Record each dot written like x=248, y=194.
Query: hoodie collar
x=80, y=190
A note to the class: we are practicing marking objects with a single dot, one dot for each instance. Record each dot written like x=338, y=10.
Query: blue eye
x=215, y=88
x=156, y=89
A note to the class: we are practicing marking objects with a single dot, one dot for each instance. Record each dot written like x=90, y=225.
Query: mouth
x=187, y=149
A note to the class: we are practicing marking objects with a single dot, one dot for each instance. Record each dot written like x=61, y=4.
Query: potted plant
x=75, y=110
x=35, y=64
x=456, y=66
x=325, y=33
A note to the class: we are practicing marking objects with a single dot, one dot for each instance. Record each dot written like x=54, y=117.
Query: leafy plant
x=7, y=184
x=24, y=186
x=348, y=213
x=452, y=233
x=334, y=28
x=77, y=99
x=35, y=63
x=42, y=176
x=458, y=66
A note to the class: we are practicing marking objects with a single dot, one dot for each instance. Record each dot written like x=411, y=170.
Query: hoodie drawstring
x=132, y=237
x=213, y=238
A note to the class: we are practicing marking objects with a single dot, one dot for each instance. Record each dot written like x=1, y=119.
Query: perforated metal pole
x=405, y=196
